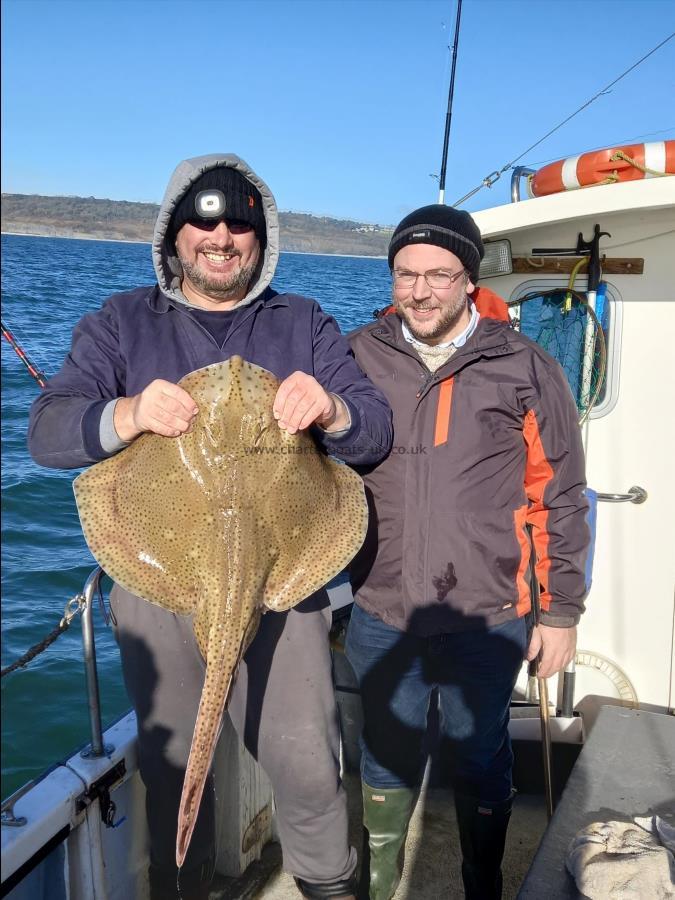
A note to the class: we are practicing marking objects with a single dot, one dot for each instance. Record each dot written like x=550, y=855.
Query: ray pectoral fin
x=146, y=519
x=322, y=532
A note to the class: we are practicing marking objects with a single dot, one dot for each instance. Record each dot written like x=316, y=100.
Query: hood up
x=167, y=266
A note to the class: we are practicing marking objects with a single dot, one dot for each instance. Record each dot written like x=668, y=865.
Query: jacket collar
x=160, y=302
x=491, y=338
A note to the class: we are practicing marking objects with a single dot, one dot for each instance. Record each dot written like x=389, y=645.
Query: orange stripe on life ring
x=443, y=413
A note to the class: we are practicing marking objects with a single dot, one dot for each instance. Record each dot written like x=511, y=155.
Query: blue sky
x=340, y=106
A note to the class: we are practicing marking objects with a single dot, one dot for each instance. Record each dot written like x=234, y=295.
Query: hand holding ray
x=230, y=519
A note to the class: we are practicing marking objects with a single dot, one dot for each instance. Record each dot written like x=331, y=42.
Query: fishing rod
x=542, y=686
x=34, y=370
x=448, y=115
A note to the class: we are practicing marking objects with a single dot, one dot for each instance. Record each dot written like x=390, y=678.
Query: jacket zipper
x=427, y=384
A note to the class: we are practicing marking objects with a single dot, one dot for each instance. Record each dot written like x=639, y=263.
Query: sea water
x=47, y=285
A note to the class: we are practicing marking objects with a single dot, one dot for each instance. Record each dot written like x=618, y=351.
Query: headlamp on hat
x=210, y=204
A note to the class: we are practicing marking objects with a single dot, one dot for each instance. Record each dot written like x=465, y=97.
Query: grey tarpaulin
x=626, y=769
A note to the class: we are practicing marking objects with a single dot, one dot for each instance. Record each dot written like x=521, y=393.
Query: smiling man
x=487, y=442
x=431, y=310
x=218, y=262
x=215, y=250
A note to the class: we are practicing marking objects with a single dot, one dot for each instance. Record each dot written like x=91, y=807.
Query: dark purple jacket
x=141, y=335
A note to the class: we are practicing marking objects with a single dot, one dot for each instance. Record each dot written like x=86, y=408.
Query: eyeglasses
x=437, y=279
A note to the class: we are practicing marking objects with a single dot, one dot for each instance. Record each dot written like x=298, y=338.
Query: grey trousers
x=282, y=706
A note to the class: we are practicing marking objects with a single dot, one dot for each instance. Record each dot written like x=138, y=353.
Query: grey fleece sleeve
x=343, y=431
x=108, y=437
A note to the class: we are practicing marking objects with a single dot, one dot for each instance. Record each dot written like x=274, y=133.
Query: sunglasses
x=235, y=226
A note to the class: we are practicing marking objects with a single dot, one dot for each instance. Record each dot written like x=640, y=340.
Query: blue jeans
x=474, y=672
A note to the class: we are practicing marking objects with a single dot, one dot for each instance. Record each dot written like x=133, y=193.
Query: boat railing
x=7, y=816
x=518, y=173
x=635, y=494
x=96, y=748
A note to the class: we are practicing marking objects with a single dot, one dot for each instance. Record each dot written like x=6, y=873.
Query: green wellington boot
x=386, y=814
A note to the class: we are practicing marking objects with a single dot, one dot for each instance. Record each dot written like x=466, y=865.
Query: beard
x=218, y=287
x=435, y=331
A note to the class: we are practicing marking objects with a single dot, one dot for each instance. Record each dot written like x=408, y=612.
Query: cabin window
x=585, y=344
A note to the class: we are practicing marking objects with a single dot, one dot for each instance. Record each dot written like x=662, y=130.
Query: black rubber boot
x=344, y=888
x=482, y=835
x=386, y=814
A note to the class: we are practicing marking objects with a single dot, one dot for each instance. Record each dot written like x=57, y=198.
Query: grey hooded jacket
x=166, y=263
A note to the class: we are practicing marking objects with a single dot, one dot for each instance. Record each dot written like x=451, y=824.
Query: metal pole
x=546, y=743
x=96, y=748
x=543, y=692
x=569, y=676
x=518, y=173
x=448, y=116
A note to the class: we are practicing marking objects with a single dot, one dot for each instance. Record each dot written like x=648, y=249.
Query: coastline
x=348, y=255
x=74, y=237
x=78, y=237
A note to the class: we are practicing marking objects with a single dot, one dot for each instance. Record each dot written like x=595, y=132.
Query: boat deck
x=627, y=768
x=432, y=859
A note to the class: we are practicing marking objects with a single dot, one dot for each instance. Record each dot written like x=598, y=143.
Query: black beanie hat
x=242, y=201
x=452, y=229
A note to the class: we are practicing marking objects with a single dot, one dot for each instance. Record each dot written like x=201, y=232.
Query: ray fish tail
x=222, y=659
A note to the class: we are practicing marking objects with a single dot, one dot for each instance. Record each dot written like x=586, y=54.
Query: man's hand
x=557, y=646
x=301, y=402
x=162, y=408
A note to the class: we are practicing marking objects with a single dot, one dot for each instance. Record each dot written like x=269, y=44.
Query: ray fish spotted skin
x=234, y=518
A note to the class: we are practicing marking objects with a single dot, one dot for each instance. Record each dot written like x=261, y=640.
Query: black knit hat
x=452, y=229
x=221, y=193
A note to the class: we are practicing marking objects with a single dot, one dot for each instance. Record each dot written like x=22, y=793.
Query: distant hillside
x=88, y=217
